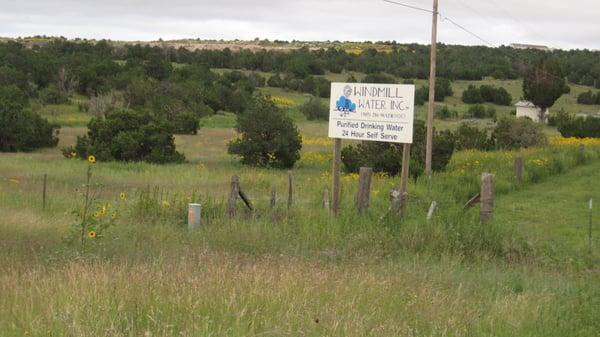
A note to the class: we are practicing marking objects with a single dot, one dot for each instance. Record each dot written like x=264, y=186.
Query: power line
x=446, y=18
x=409, y=6
x=443, y=18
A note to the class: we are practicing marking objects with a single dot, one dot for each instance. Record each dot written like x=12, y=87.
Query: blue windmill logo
x=344, y=105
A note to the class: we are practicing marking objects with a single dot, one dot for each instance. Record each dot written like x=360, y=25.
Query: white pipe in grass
x=194, y=216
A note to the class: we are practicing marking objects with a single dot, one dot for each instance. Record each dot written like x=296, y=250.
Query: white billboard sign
x=375, y=112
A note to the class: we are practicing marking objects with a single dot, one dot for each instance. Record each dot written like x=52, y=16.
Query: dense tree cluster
x=90, y=67
x=486, y=93
x=588, y=98
x=579, y=127
x=20, y=129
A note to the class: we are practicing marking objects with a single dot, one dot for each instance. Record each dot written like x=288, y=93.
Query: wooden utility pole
x=429, y=149
x=335, y=189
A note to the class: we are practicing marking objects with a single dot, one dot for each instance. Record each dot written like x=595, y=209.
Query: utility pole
x=429, y=149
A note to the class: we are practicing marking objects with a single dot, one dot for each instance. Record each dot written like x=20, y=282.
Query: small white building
x=529, y=110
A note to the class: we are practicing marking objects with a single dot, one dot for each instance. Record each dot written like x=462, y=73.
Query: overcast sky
x=560, y=24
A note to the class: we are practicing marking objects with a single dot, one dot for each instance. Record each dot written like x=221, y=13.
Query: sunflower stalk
x=86, y=206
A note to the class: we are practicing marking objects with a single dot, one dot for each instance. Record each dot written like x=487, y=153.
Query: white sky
x=559, y=24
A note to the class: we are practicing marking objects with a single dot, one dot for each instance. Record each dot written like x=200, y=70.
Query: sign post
x=370, y=112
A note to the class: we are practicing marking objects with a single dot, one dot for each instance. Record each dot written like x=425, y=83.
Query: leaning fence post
x=519, y=169
x=364, y=189
x=431, y=210
x=487, y=197
x=233, y=195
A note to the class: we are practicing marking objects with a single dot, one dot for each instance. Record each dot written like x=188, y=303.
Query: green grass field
x=300, y=272
x=297, y=271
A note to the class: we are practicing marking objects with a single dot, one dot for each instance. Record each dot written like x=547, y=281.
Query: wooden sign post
x=404, y=178
x=335, y=186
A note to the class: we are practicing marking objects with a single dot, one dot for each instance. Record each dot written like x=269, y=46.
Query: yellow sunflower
x=113, y=215
x=98, y=214
x=92, y=159
x=92, y=234
x=122, y=196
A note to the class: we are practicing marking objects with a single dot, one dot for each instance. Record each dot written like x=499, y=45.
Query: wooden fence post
x=364, y=189
x=326, y=201
x=273, y=198
x=233, y=195
x=44, y=191
x=335, y=188
x=582, y=147
x=290, y=189
x=487, y=197
x=519, y=169
x=404, y=179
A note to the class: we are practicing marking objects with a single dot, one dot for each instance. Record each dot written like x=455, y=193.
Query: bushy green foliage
x=443, y=89
x=480, y=111
x=472, y=95
x=314, y=109
x=316, y=86
x=579, y=127
x=469, y=137
x=486, y=93
x=20, y=129
x=588, y=98
x=387, y=157
x=52, y=95
x=268, y=138
x=379, y=78
x=558, y=118
x=446, y=113
x=518, y=133
x=129, y=135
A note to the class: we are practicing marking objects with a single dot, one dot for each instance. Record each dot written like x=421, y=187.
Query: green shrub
x=486, y=93
x=20, y=129
x=314, y=109
x=469, y=137
x=580, y=127
x=559, y=118
x=476, y=111
x=387, y=157
x=445, y=113
x=588, y=98
x=518, y=133
x=268, y=137
x=379, y=78
x=472, y=95
x=52, y=95
x=128, y=135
